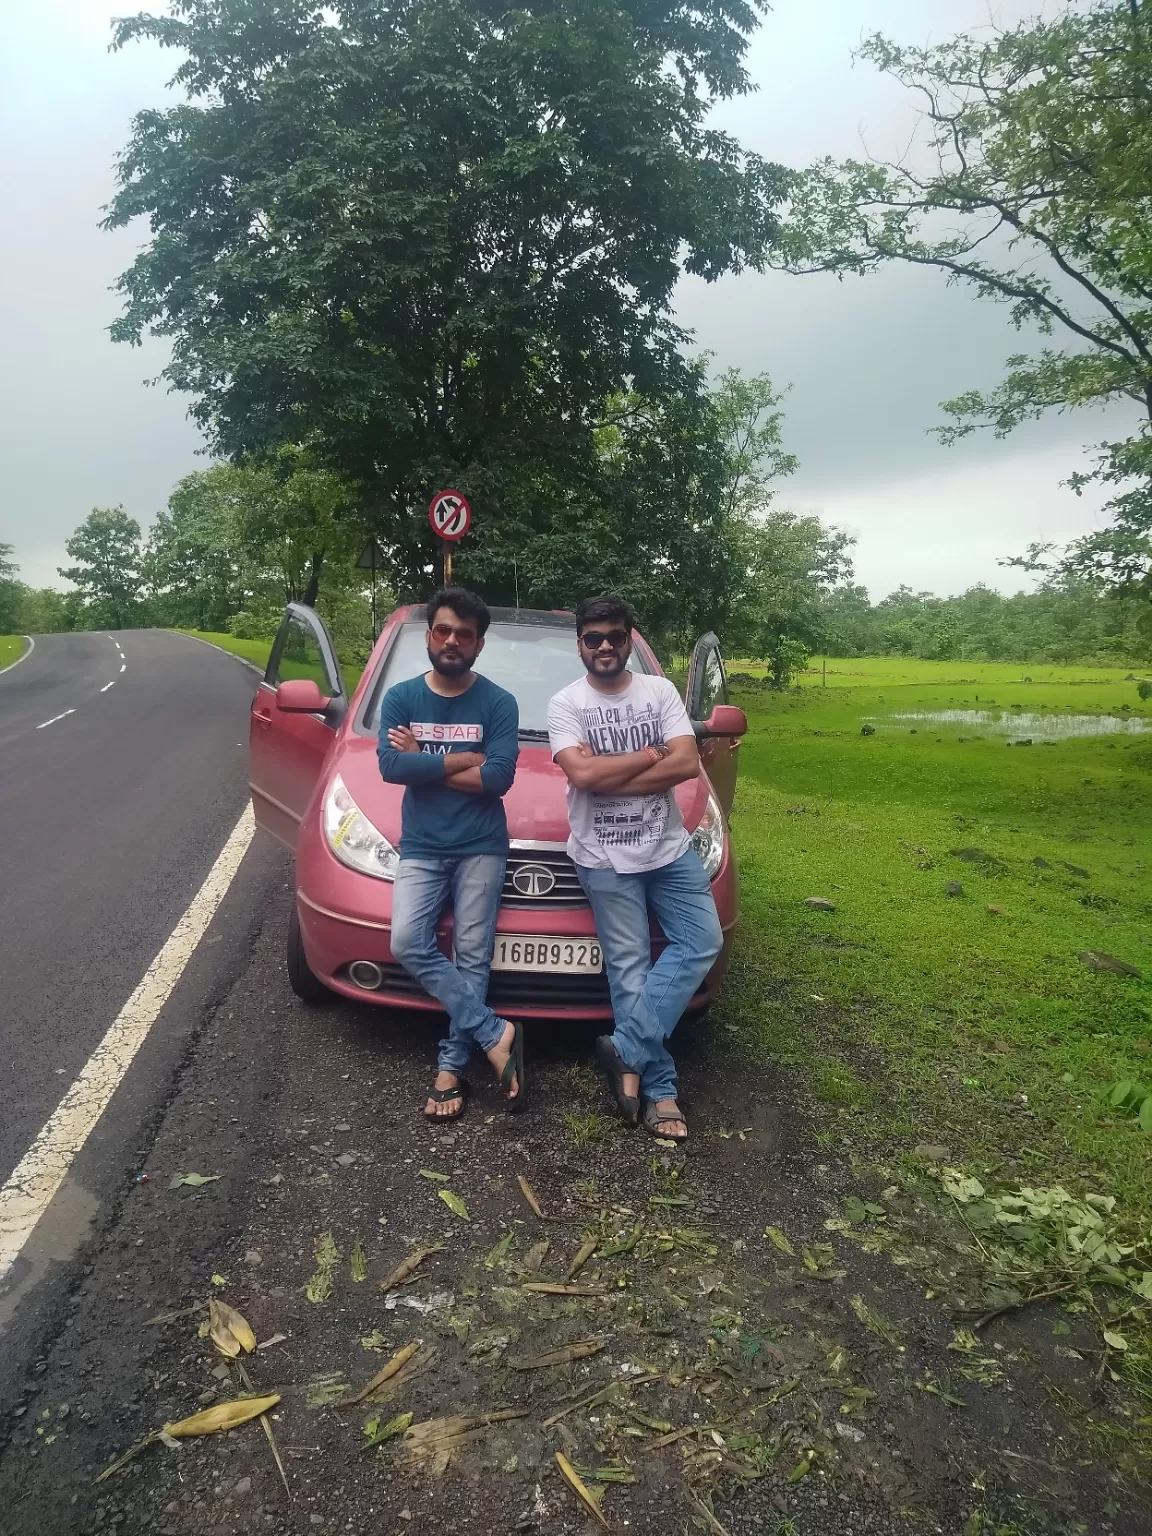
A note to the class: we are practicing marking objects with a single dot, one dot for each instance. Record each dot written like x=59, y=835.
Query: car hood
x=535, y=805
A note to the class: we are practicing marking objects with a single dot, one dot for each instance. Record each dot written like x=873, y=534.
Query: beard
x=605, y=665
x=450, y=666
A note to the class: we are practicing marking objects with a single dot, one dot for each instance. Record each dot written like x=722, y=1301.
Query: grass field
x=12, y=647
x=257, y=651
x=967, y=1018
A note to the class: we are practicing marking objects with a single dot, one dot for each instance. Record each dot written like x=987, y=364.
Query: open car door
x=293, y=722
x=718, y=724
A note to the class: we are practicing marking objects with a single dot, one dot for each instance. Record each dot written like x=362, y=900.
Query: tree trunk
x=312, y=590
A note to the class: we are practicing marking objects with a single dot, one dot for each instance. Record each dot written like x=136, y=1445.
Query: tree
x=107, y=549
x=1030, y=184
x=11, y=591
x=434, y=239
x=789, y=565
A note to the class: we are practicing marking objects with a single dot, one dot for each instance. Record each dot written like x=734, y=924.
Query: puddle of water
x=1046, y=727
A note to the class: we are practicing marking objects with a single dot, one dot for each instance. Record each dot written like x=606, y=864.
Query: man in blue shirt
x=451, y=737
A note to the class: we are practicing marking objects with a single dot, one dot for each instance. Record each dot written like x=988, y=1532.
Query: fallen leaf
x=778, y=1240
x=454, y=1204
x=374, y=1340
x=223, y=1416
x=499, y=1253
x=706, y=1515
x=397, y=1363
x=535, y=1256
x=1115, y=1340
x=530, y=1195
x=551, y=1288
x=561, y=1356
x=219, y=1280
x=276, y=1338
x=357, y=1262
x=431, y=1173
x=409, y=1266
x=266, y=1426
x=193, y=1179
x=229, y=1329
x=583, y=1254
x=394, y=1427
x=573, y=1478
x=319, y=1288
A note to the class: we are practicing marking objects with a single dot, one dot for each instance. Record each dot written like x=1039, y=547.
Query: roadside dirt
x=745, y=1389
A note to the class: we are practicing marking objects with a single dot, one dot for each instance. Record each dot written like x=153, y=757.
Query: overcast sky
x=866, y=360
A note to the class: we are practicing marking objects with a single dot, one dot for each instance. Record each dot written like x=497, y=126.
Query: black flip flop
x=653, y=1120
x=514, y=1068
x=614, y=1069
x=443, y=1095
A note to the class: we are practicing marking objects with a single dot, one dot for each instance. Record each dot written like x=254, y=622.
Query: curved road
x=122, y=773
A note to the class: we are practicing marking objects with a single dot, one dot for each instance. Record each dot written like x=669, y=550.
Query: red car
x=316, y=786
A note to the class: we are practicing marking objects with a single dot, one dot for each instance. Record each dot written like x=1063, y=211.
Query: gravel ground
x=814, y=1387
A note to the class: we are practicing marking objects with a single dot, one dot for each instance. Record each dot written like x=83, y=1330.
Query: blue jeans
x=648, y=999
x=472, y=885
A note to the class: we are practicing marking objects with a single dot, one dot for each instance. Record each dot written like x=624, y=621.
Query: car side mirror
x=301, y=696
x=725, y=720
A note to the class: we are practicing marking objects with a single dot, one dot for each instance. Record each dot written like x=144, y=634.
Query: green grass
x=257, y=652
x=12, y=647
x=923, y=1016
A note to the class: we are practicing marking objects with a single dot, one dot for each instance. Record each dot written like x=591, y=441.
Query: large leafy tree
x=434, y=237
x=107, y=550
x=1030, y=183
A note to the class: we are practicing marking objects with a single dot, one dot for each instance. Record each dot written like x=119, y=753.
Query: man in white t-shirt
x=624, y=740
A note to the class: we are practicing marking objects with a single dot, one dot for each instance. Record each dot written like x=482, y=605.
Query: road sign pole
x=447, y=567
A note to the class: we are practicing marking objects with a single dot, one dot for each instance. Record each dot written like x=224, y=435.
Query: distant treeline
x=1066, y=621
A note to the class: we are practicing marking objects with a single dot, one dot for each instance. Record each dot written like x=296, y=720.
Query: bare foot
x=499, y=1055
x=675, y=1130
x=630, y=1084
x=450, y=1107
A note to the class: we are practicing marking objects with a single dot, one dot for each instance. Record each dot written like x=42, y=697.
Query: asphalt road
x=121, y=776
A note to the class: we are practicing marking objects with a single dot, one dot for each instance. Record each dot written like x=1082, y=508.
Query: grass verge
x=12, y=647
x=257, y=652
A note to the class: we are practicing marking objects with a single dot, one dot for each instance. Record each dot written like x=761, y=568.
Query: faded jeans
x=648, y=999
x=471, y=886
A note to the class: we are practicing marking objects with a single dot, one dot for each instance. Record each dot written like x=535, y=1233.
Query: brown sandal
x=653, y=1120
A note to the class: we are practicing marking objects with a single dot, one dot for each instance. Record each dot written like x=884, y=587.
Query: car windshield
x=533, y=661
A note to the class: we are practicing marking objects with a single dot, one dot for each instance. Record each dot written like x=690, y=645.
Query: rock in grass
x=973, y=855
x=1077, y=870
x=819, y=904
x=867, y=730
x=932, y=1152
x=1097, y=960
x=953, y=888
x=1039, y=863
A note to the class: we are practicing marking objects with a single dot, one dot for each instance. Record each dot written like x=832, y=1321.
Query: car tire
x=301, y=977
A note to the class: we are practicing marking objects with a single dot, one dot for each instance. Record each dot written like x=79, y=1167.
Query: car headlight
x=353, y=838
x=708, y=837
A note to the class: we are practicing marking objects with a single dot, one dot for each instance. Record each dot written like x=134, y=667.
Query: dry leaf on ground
x=229, y=1329
x=573, y=1478
x=530, y=1195
x=409, y=1266
x=397, y=1363
x=562, y=1356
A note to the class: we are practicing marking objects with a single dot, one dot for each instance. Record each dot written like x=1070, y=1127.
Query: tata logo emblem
x=533, y=879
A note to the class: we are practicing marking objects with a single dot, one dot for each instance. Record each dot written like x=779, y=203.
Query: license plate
x=521, y=952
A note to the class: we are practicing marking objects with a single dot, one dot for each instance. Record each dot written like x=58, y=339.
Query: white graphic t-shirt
x=627, y=832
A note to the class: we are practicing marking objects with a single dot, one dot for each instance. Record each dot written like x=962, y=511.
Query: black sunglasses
x=593, y=639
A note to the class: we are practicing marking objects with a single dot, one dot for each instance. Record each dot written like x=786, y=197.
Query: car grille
x=508, y=989
x=535, y=867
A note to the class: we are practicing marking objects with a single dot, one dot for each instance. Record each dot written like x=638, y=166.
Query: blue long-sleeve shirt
x=438, y=822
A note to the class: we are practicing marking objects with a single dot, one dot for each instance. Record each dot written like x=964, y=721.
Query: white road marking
x=54, y=719
x=24, y=657
x=123, y=666
x=44, y=1167
x=106, y=686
